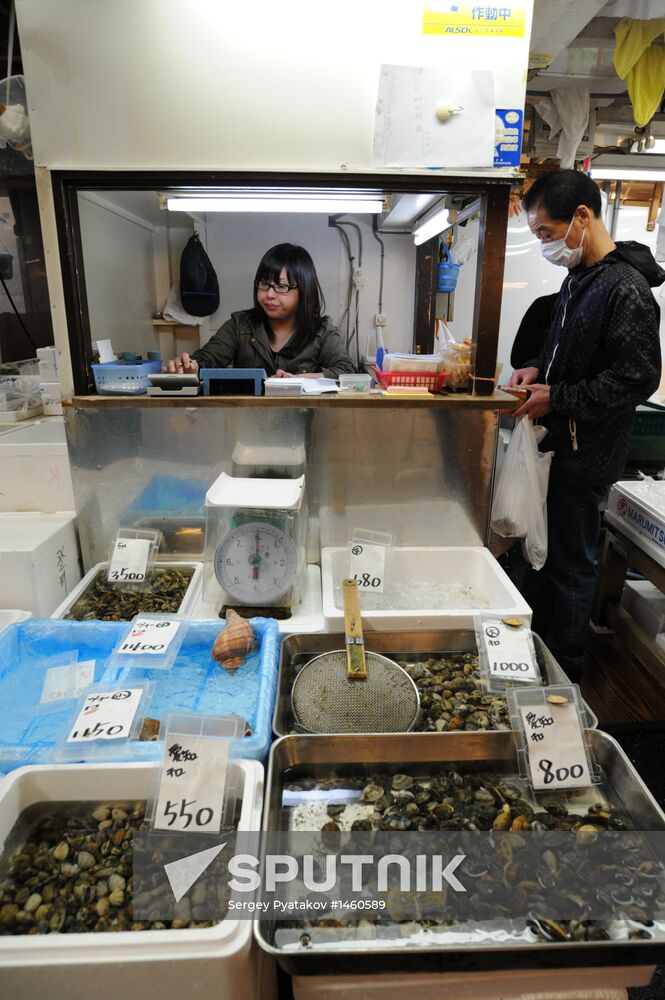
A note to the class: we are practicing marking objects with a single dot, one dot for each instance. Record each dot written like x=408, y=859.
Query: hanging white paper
x=407, y=132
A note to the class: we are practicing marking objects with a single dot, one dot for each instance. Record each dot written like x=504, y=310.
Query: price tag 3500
x=129, y=560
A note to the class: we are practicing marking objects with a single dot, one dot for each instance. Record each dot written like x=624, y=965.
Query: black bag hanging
x=199, y=288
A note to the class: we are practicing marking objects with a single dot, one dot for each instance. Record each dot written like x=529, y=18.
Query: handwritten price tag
x=149, y=637
x=129, y=560
x=63, y=683
x=367, y=566
x=557, y=757
x=106, y=715
x=509, y=653
x=191, y=787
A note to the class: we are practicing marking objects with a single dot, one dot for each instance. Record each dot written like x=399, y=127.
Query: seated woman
x=285, y=333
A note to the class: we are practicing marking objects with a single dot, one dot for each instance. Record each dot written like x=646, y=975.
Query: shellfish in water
x=234, y=642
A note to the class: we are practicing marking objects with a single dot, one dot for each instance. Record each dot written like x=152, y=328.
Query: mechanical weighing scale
x=255, y=559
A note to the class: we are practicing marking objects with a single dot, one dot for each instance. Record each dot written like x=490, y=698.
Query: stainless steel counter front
x=421, y=469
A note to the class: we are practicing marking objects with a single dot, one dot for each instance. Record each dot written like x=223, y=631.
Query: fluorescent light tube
x=627, y=174
x=436, y=224
x=272, y=203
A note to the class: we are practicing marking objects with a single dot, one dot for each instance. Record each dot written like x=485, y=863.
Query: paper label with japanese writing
x=106, y=715
x=63, y=683
x=460, y=20
x=557, y=756
x=191, y=787
x=367, y=566
x=129, y=560
x=149, y=637
x=509, y=652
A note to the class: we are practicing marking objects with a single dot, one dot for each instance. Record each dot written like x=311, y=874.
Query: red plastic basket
x=433, y=381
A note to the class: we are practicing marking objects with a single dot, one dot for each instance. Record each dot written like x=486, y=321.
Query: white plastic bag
x=519, y=507
x=174, y=311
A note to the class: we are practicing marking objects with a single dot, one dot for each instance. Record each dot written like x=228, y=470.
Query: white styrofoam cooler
x=638, y=510
x=39, y=561
x=10, y=615
x=189, y=601
x=218, y=961
x=473, y=566
x=34, y=468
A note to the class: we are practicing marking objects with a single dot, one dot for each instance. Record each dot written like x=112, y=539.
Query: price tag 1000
x=509, y=652
x=557, y=756
x=129, y=560
x=367, y=566
x=150, y=637
x=106, y=715
x=191, y=786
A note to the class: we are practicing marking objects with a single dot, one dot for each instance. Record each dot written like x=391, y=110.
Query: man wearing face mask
x=599, y=361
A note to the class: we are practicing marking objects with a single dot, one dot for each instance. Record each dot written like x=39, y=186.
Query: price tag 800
x=557, y=756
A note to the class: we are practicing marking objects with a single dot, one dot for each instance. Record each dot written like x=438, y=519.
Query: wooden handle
x=356, y=668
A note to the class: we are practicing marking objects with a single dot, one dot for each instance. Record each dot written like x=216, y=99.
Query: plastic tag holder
x=154, y=538
x=148, y=660
x=361, y=537
x=499, y=682
x=67, y=663
x=180, y=725
x=99, y=748
x=519, y=697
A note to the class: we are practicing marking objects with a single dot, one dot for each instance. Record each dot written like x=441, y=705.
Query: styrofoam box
x=217, y=961
x=646, y=604
x=189, y=601
x=10, y=615
x=638, y=510
x=34, y=468
x=472, y=566
x=39, y=560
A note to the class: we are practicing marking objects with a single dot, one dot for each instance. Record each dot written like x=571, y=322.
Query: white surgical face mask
x=557, y=252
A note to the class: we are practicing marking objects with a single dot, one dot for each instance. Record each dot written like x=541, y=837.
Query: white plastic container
x=39, y=560
x=51, y=398
x=34, y=468
x=646, y=604
x=218, y=961
x=471, y=567
x=189, y=602
x=8, y=616
x=354, y=384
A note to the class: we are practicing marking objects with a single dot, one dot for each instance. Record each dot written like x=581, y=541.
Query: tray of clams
x=436, y=787
x=443, y=664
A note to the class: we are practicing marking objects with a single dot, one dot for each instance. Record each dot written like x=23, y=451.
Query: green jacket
x=242, y=342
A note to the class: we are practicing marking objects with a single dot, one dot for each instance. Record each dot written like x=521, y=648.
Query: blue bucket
x=448, y=272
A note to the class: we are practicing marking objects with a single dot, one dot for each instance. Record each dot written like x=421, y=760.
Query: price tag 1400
x=106, y=715
x=509, y=652
x=367, y=566
x=557, y=756
x=150, y=637
x=129, y=560
x=191, y=786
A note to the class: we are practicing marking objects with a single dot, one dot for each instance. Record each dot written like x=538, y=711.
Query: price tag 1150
x=367, y=566
x=149, y=637
x=509, y=652
x=191, y=785
x=106, y=715
x=129, y=560
x=557, y=756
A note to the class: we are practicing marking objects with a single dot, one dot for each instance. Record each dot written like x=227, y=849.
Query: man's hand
x=182, y=365
x=523, y=376
x=537, y=403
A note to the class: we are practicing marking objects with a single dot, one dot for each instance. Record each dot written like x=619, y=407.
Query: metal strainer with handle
x=351, y=691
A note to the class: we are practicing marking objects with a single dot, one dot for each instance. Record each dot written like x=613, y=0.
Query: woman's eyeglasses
x=280, y=288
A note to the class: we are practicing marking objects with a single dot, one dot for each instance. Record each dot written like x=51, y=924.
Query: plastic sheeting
x=566, y=111
x=194, y=684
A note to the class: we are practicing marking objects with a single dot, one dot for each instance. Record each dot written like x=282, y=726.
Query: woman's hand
x=537, y=403
x=280, y=373
x=182, y=365
x=523, y=376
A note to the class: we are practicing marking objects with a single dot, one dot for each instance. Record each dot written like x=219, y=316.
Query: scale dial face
x=256, y=563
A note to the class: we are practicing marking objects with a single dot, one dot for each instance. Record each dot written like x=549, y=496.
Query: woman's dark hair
x=560, y=192
x=300, y=271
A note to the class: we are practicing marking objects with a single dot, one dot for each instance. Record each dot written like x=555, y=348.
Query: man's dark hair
x=560, y=192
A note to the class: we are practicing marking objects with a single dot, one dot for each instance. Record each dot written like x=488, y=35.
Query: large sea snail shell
x=234, y=642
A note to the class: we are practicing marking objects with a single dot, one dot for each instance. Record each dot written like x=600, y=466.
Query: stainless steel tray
x=298, y=649
x=323, y=757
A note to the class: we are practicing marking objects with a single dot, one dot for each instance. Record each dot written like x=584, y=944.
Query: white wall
x=119, y=277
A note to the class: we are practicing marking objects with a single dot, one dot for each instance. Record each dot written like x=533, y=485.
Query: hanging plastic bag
x=519, y=507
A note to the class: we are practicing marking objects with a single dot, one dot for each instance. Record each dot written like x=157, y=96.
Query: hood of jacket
x=640, y=257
